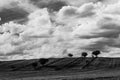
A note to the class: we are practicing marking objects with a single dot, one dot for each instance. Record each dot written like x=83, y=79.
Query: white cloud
x=74, y=29
x=68, y=12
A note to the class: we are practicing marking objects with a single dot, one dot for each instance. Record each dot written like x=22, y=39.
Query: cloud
x=70, y=29
x=84, y=11
x=12, y=14
x=81, y=2
x=23, y=38
x=52, y=5
x=15, y=10
x=8, y=4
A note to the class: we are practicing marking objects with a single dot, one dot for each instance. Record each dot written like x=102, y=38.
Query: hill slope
x=68, y=68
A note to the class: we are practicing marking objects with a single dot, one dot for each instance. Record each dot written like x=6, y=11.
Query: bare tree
x=96, y=53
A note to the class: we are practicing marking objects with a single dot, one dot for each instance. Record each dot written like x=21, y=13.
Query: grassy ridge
x=98, y=63
x=99, y=69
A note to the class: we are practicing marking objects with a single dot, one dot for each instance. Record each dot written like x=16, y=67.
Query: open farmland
x=99, y=69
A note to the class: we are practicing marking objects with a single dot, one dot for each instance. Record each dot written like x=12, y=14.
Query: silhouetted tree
x=84, y=54
x=35, y=64
x=70, y=55
x=96, y=53
x=43, y=61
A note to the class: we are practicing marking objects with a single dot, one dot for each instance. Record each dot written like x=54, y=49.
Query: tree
x=34, y=65
x=96, y=53
x=43, y=61
x=84, y=54
x=70, y=55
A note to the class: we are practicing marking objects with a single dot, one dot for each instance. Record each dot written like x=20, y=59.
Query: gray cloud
x=50, y=4
x=15, y=10
x=12, y=14
x=107, y=29
x=100, y=44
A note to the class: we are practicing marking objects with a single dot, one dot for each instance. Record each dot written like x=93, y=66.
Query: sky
x=31, y=29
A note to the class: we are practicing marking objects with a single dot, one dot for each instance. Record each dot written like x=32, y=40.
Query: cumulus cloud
x=67, y=29
x=52, y=5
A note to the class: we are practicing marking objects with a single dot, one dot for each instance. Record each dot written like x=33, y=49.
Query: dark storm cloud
x=52, y=5
x=12, y=14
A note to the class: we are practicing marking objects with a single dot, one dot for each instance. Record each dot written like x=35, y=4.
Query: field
x=62, y=69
